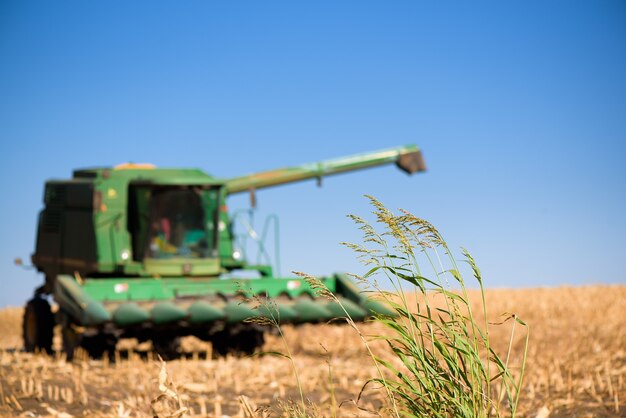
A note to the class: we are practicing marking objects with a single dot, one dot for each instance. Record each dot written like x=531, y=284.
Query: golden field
x=576, y=366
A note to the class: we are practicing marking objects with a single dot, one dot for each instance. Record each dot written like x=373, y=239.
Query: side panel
x=48, y=235
x=65, y=236
x=78, y=248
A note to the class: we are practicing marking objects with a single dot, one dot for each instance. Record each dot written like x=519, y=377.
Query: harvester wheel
x=219, y=342
x=38, y=326
x=247, y=341
x=168, y=349
x=96, y=346
x=243, y=342
x=71, y=341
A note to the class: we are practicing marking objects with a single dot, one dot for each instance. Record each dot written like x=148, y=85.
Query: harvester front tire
x=38, y=326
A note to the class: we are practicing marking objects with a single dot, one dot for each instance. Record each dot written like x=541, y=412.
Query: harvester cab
x=136, y=251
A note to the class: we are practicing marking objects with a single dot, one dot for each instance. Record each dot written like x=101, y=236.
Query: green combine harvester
x=149, y=253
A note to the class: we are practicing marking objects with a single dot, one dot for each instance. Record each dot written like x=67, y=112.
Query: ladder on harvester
x=249, y=236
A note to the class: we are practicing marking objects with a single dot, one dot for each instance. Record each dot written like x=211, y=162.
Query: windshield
x=167, y=222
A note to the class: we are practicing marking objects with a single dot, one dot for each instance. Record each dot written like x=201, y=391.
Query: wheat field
x=576, y=366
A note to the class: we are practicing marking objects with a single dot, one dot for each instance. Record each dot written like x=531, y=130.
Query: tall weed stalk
x=271, y=317
x=442, y=361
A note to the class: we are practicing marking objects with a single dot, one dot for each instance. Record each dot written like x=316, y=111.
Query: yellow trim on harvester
x=134, y=166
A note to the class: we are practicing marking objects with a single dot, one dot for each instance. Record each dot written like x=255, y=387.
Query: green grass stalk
x=445, y=356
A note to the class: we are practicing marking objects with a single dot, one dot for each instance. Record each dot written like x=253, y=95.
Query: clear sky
x=519, y=108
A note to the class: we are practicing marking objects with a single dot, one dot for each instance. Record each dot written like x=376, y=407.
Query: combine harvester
x=150, y=253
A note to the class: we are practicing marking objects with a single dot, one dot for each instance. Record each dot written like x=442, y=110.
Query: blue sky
x=519, y=107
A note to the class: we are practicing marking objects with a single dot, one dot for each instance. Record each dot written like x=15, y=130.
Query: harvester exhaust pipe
x=411, y=162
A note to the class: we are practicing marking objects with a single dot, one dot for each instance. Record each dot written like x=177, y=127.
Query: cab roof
x=148, y=173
